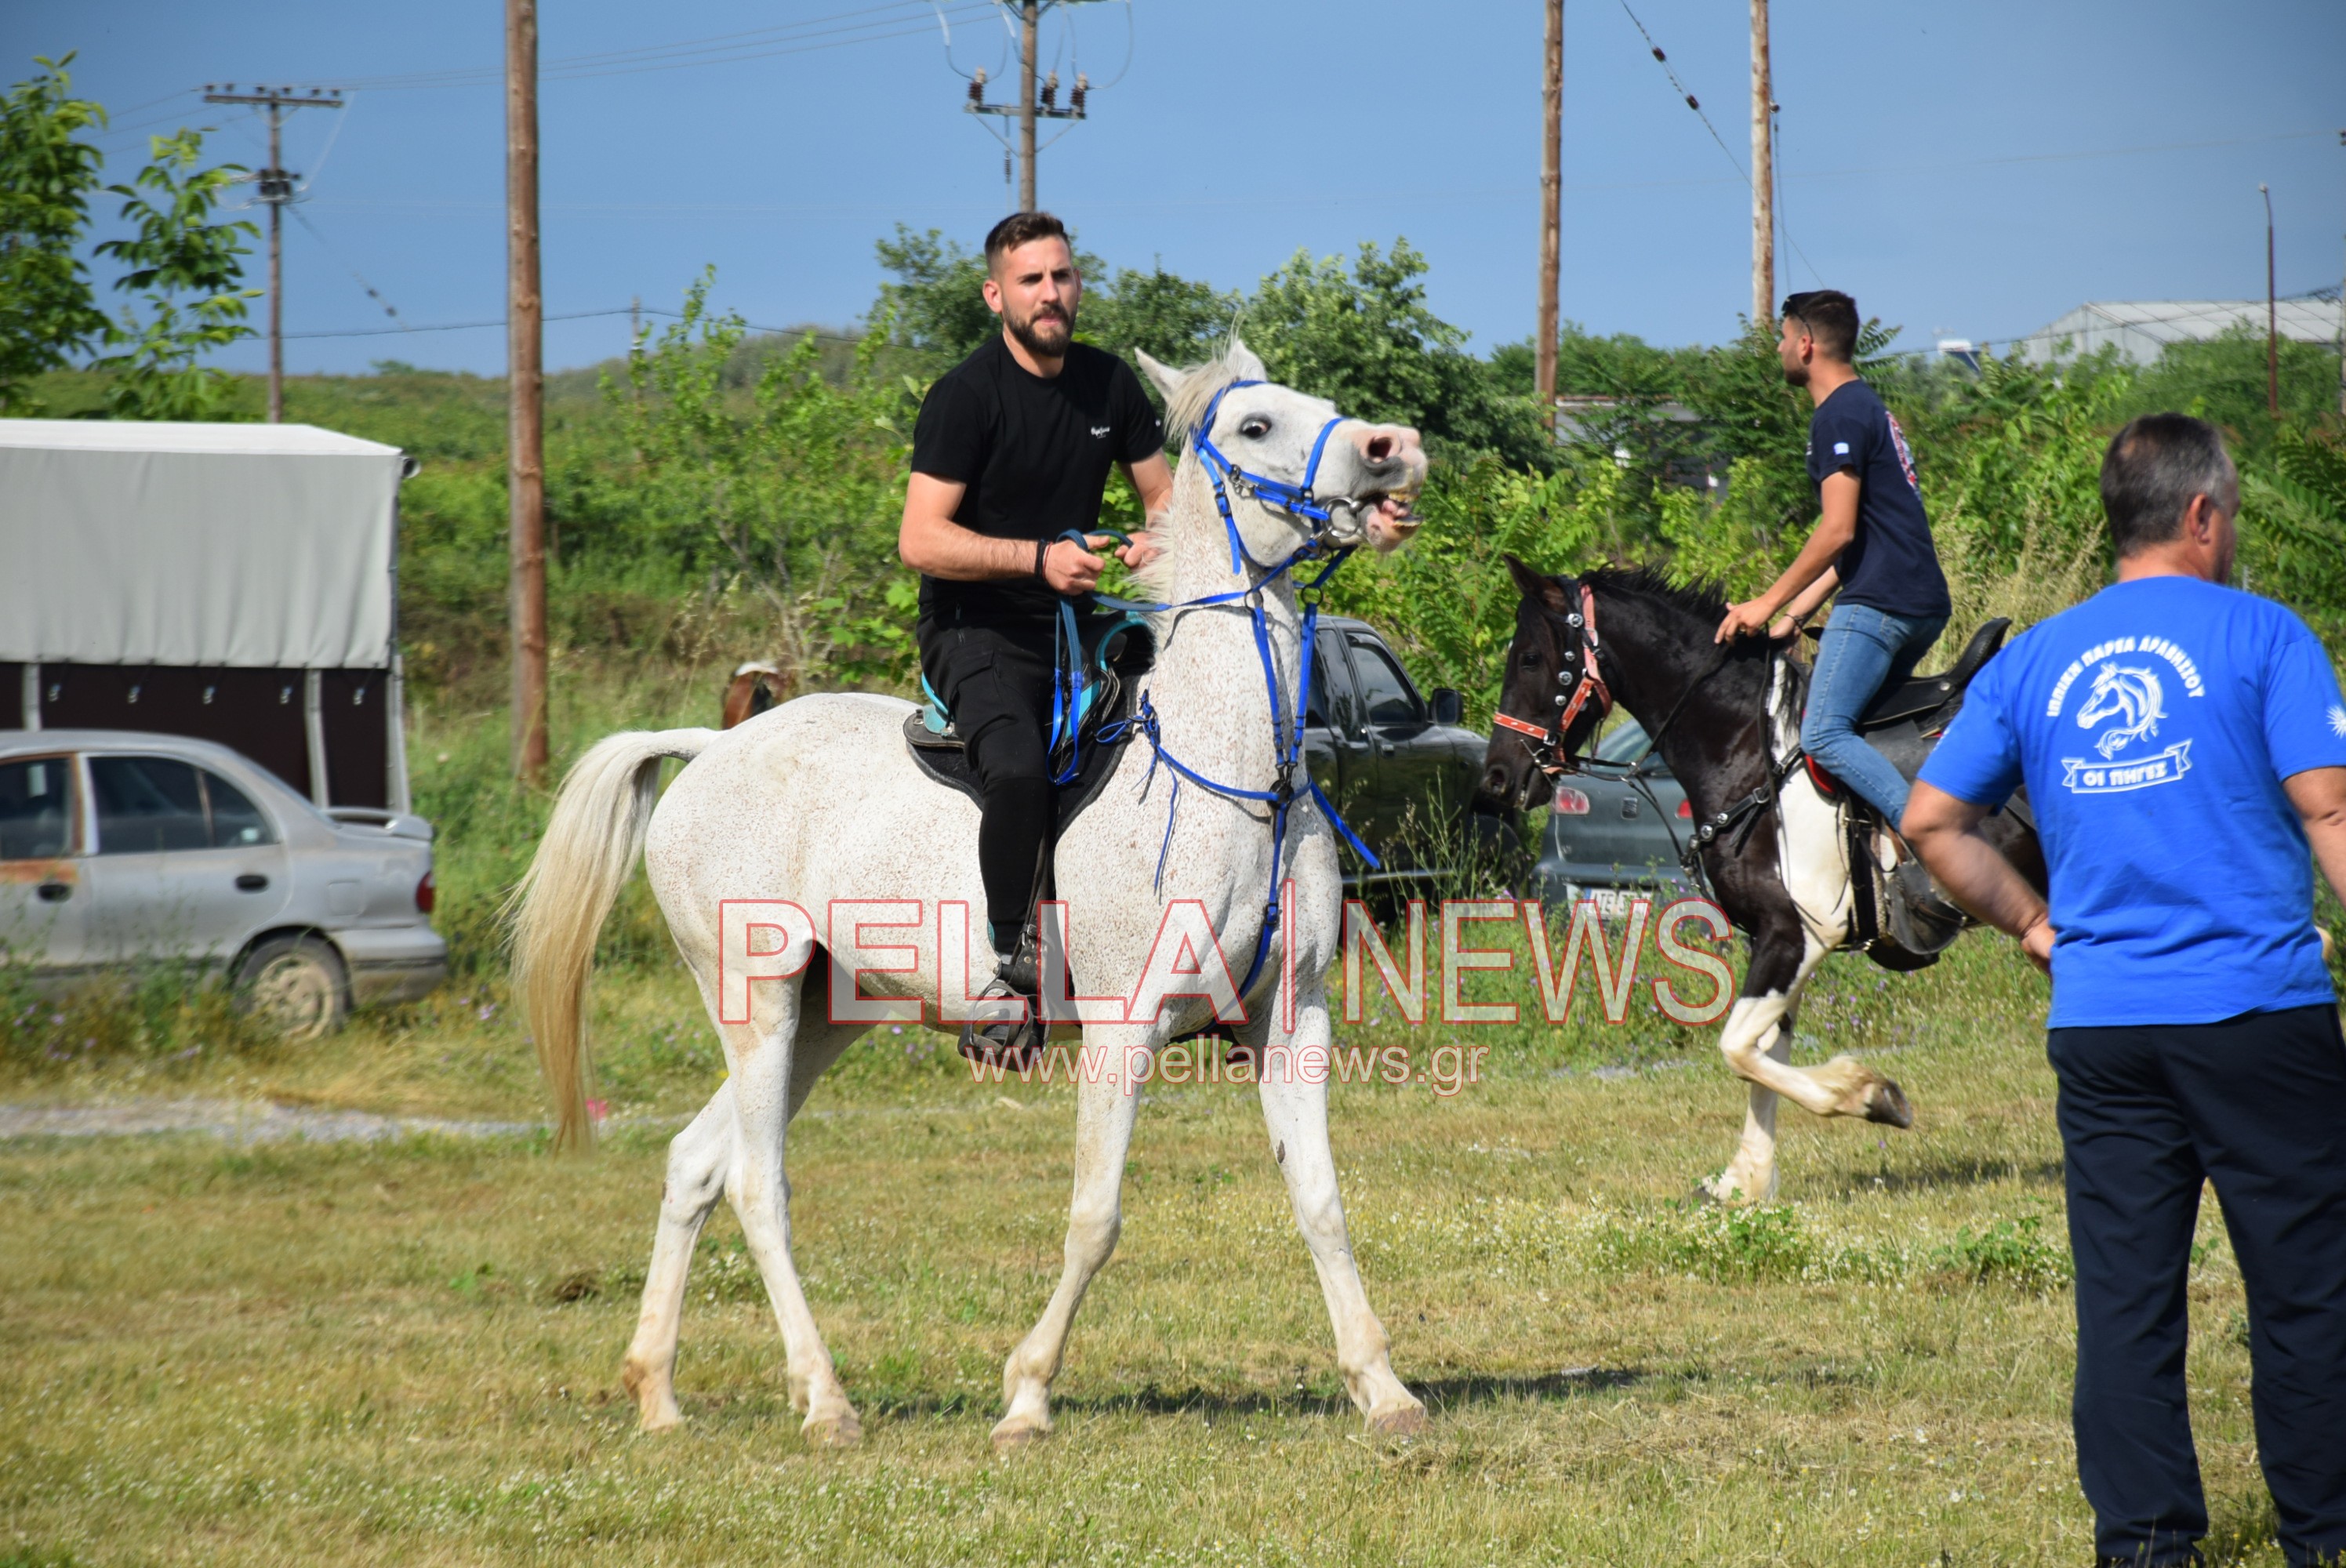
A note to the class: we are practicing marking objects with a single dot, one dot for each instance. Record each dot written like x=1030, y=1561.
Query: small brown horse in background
x=756, y=687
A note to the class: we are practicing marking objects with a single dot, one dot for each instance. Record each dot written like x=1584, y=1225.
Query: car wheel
x=293, y=985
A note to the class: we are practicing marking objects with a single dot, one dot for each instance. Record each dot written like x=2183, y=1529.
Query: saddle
x=1903, y=922
x=1115, y=653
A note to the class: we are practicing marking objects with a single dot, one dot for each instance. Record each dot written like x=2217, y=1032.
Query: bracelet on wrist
x=1042, y=553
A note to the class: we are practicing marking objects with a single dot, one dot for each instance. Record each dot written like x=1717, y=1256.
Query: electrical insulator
x=1083, y=89
x=1050, y=89
x=1694, y=104
x=1660, y=56
x=977, y=86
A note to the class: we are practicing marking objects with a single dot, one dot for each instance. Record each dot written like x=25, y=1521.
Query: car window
x=236, y=820
x=1385, y=693
x=147, y=804
x=1626, y=743
x=1332, y=685
x=36, y=809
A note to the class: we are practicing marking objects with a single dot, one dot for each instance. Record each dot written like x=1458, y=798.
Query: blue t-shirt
x=2153, y=725
x=1892, y=563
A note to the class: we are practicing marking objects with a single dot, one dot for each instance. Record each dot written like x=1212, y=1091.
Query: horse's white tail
x=590, y=846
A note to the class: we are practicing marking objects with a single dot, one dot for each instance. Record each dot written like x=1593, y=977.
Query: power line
x=1696, y=104
x=573, y=316
x=801, y=38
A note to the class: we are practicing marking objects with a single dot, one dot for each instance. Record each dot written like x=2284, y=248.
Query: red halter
x=1547, y=743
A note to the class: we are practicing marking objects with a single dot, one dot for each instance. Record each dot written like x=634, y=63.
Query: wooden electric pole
x=524, y=392
x=1551, y=206
x=2272, y=315
x=1763, y=177
x=1028, y=109
x=276, y=183
x=1030, y=16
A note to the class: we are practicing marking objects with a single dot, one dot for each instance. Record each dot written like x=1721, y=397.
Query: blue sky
x=1935, y=157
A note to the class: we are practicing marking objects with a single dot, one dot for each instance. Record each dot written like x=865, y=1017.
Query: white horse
x=817, y=801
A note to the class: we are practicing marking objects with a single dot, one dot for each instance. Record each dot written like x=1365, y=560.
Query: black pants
x=997, y=683
x=2256, y=1104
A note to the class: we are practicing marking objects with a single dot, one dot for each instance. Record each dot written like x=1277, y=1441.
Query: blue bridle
x=1069, y=698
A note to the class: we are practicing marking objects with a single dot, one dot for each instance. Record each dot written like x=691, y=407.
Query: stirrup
x=1016, y=1044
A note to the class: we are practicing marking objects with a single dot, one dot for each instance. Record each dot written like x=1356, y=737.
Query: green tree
x=185, y=269
x=48, y=313
x=1366, y=340
x=934, y=303
x=1178, y=319
x=793, y=489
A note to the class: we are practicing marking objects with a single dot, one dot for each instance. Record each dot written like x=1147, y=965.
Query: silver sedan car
x=119, y=847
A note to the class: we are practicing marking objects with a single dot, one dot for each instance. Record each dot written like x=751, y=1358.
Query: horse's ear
x=1165, y=379
x=1244, y=362
x=1535, y=585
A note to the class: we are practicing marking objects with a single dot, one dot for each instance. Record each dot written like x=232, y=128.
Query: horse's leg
x=1295, y=1115
x=1107, y=1104
x=697, y=1158
x=697, y=1161
x=1757, y=1042
x=765, y=1092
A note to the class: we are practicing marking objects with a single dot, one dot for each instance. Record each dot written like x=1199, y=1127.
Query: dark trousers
x=997, y=683
x=2256, y=1104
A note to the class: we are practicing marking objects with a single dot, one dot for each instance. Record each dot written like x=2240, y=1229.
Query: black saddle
x=1921, y=697
x=1117, y=652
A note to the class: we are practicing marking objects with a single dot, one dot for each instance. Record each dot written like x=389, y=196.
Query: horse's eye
x=1255, y=428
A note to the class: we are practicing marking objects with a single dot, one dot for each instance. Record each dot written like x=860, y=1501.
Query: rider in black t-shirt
x=1012, y=450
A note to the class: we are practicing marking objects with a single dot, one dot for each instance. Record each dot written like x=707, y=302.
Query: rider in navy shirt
x=1872, y=541
x=2182, y=745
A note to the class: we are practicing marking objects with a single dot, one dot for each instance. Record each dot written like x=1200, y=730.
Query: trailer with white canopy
x=236, y=582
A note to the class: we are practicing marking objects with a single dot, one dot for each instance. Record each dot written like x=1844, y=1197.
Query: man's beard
x=1796, y=375
x=1030, y=333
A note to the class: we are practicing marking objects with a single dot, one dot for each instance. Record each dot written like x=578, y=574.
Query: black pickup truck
x=1399, y=764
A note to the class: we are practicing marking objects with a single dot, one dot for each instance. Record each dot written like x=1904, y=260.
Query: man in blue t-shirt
x=1872, y=541
x=2181, y=743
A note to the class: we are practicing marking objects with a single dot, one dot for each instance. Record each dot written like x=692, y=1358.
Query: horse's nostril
x=1379, y=447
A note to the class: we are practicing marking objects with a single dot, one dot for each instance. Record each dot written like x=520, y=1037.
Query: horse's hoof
x=840, y=1430
x=1885, y=1102
x=1401, y=1421
x=1014, y=1433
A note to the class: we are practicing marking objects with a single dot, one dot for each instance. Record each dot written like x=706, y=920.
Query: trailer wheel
x=293, y=985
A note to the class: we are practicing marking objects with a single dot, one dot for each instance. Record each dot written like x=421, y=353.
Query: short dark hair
x=1020, y=228
x=1830, y=317
x=2153, y=469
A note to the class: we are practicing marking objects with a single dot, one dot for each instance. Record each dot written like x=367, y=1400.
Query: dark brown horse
x=1772, y=844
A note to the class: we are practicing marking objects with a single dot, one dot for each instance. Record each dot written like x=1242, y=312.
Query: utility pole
x=2272, y=315
x=525, y=390
x=1030, y=18
x=1551, y=206
x=276, y=184
x=1763, y=176
x=1030, y=107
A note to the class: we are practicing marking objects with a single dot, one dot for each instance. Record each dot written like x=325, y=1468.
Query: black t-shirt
x=1035, y=454
x=1892, y=563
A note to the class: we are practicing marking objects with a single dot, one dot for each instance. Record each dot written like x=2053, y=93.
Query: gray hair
x=2153, y=469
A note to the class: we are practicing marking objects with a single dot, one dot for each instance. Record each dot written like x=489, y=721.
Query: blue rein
x=1069, y=698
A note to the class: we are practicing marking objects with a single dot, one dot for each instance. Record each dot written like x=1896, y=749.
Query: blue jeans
x=1864, y=651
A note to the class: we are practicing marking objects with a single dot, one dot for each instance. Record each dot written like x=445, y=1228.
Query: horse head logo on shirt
x=2126, y=693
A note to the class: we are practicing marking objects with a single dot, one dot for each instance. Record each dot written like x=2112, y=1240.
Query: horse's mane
x=1188, y=404
x=1705, y=601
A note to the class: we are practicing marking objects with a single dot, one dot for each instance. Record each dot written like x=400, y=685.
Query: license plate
x=1614, y=902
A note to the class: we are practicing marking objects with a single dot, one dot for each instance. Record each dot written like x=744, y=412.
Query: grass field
x=408, y=1352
